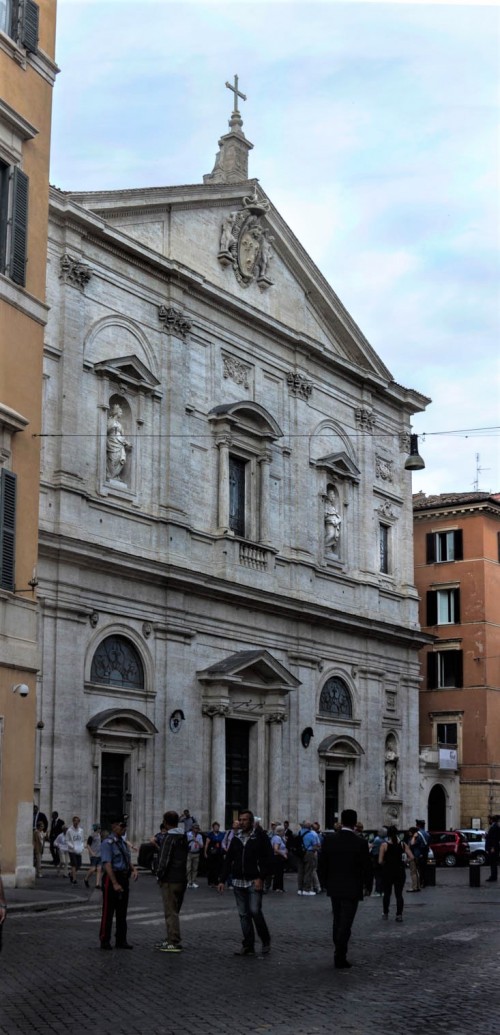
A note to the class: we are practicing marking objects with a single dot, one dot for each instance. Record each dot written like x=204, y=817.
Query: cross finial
x=237, y=94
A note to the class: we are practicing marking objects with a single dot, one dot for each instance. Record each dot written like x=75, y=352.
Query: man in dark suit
x=348, y=874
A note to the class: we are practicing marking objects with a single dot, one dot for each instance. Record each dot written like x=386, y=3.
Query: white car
x=477, y=845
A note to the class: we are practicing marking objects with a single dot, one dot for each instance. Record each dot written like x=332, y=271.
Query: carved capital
x=276, y=717
x=74, y=271
x=212, y=709
x=365, y=420
x=174, y=322
x=299, y=385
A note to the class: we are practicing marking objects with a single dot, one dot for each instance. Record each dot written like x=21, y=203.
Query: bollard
x=474, y=875
x=430, y=875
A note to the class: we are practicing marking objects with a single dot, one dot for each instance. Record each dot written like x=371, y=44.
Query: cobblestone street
x=441, y=963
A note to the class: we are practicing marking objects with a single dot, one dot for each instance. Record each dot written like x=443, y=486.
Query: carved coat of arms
x=245, y=242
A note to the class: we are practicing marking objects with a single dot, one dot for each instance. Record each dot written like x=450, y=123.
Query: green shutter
x=7, y=529
x=29, y=26
x=431, y=607
x=19, y=235
x=430, y=541
x=432, y=670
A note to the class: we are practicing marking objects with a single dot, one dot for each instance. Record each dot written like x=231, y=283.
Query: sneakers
x=300, y=893
x=168, y=947
x=195, y=885
x=309, y=893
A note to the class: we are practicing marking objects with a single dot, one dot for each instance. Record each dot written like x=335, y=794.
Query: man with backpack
x=172, y=877
x=306, y=848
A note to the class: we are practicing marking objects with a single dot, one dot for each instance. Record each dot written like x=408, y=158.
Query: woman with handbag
x=392, y=857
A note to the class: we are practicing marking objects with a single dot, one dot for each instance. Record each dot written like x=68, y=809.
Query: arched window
x=335, y=700
x=116, y=662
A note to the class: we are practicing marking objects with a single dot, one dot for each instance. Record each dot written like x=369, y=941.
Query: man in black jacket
x=348, y=873
x=249, y=860
x=172, y=877
x=493, y=848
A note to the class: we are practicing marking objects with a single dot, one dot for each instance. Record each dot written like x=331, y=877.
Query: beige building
x=27, y=73
x=226, y=566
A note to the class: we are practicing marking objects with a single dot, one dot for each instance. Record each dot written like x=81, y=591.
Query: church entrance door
x=331, y=798
x=114, y=786
x=237, y=768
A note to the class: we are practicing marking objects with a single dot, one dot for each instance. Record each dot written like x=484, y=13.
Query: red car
x=450, y=847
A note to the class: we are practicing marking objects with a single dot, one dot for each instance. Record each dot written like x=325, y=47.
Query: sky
x=375, y=132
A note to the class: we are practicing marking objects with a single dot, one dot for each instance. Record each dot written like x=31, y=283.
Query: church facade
x=228, y=611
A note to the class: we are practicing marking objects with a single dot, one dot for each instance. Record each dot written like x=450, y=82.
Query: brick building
x=457, y=574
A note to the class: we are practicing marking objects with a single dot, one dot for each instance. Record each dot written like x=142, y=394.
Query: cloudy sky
x=375, y=132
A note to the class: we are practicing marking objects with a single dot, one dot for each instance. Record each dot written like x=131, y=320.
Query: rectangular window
x=19, y=19
x=443, y=607
x=14, y=186
x=384, y=548
x=237, y=479
x=444, y=669
x=444, y=546
x=6, y=16
x=447, y=733
x=7, y=529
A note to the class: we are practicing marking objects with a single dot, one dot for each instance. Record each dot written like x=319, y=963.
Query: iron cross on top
x=237, y=93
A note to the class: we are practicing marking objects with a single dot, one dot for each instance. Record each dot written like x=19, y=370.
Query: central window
x=237, y=494
x=117, y=663
x=335, y=700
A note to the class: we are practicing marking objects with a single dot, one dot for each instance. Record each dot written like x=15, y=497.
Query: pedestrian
x=94, y=850
x=249, y=860
x=492, y=846
x=392, y=862
x=171, y=876
x=75, y=841
x=62, y=850
x=39, y=838
x=348, y=873
x=3, y=910
x=278, y=845
x=374, y=849
x=55, y=828
x=306, y=848
x=213, y=854
x=420, y=850
x=117, y=870
x=39, y=817
x=415, y=879
x=187, y=821
x=195, y=847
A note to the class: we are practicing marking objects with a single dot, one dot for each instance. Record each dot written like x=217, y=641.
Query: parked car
x=450, y=847
x=477, y=845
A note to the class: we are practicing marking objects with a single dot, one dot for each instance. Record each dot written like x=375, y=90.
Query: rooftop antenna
x=479, y=470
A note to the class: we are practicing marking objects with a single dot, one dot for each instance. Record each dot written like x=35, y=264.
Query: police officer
x=117, y=869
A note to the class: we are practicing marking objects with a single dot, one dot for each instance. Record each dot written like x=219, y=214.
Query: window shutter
x=459, y=548
x=459, y=668
x=430, y=541
x=432, y=660
x=456, y=594
x=29, y=27
x=19, y=238
x=7, y=529
x=431, y=607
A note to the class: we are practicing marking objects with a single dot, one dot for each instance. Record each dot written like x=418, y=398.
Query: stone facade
x=203, y=605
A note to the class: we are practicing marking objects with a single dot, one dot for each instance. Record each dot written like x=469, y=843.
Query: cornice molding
x=23, y=301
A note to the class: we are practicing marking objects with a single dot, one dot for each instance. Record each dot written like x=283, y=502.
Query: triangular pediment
x=129, y=371
x=250, y=668
x=339, y=465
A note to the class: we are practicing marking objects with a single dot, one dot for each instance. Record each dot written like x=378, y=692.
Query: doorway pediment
x=254, y=668
x=119, y=722
x=340, y=747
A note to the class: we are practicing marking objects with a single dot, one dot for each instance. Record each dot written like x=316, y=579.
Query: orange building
x=457, y=574
x=27, y=74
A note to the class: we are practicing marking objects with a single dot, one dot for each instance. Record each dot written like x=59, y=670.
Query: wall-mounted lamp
x=21, y=688
x=305, y=736
x=175, y=720
x=414, y=462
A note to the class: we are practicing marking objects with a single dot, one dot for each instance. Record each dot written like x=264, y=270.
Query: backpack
x=298, y=847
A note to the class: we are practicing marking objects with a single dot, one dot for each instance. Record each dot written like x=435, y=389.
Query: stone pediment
x=255, y=668
x=129, y=372
x=341, y=747
x=121, y=722
x=248, y=416
x=339, y=465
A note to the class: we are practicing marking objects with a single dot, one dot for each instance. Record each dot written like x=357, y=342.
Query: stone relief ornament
x=383, y=469
x=386, y=510
x=299, y=385
x=236, y=370
x=364, y=419
x=245, y=243
x=74, y=271
x=174, y=322
x=404, y=442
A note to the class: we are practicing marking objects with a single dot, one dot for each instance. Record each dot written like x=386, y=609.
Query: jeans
x=249, y=905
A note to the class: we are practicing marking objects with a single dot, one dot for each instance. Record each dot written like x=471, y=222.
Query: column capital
x=212, y=708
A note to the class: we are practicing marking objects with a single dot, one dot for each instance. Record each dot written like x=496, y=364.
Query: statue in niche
x=391, y=770
x=117, y=445
x=333, y=522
